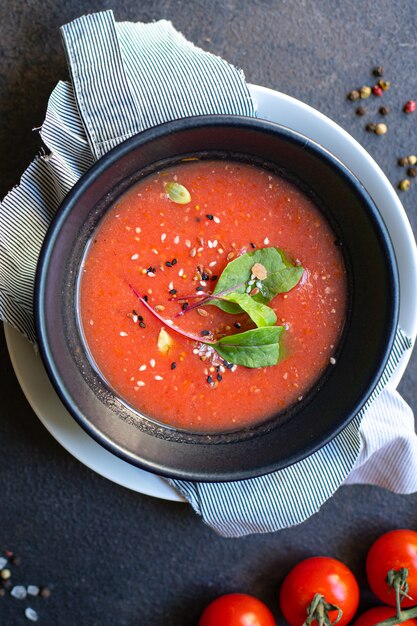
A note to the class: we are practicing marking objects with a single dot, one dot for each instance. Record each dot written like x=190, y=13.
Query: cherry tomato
x=374, y=616
x=319, y=575
x=392, y=551
x=237, y=609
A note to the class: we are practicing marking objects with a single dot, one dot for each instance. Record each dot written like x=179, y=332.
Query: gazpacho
x=212, y=295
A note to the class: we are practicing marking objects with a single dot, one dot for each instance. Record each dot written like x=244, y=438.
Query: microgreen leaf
x=177, y=193
x=282, y=275
x=259, y=313
x=258, y=347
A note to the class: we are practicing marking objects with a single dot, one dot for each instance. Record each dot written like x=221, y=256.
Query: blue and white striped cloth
x=125, y=78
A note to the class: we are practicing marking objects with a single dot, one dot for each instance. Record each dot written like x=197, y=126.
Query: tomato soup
x=171, y=252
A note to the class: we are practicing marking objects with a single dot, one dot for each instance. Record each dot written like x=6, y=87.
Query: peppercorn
x=377, y=90
x=370, y=128
x=410, y=106
x=354, y=95
x=381, y=129
x=384, y=110
x=361, y=111
x=403, y=161
x=412, y=171
x=384, y=84
x=412, y=159
x=365, y=92
x=404, y=185
x=378, y=71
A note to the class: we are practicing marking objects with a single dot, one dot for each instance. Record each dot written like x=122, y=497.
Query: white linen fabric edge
x=120, y=86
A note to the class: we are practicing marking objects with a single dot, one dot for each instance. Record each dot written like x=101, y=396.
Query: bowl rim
x=110, y=159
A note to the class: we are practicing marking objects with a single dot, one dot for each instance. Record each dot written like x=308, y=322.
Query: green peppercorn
x=404, y=185
x=412, y=172
x=384, y=84
x=381, y=129
x=365, y=92
x=354, y=95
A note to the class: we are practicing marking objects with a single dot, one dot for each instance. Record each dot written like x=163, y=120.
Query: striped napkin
x=126, y=77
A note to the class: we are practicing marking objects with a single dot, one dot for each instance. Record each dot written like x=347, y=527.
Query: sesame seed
x=140, y=383
x=159, y=307
x=135, y=319
x=209, y=380
x=209, y=216
x=184, y=306
x=155, y=251
x=193, y=252
x=174, y=261
x=188, y=243
x=177, y=239
x=91, y=322
x=212, y=264
x=215, y=243
x=171, y=285
x=163, y=236
x=151, y=274
x=210, y=243
x=123, y=334
x=158, y=378
x=138, y=230
x=142, y=368
x=173, y=365
x=216, y=219
x=202, y=312
x=134, y=257
x=332, y=360
x=152, y=362
x=203, y=283
x=266, y=241
x=252, y=245
x=181, y=272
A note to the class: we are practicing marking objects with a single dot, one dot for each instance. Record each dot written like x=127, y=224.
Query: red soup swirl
x=212, y=295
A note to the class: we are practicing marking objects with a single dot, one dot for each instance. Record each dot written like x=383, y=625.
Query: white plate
x=277, y=107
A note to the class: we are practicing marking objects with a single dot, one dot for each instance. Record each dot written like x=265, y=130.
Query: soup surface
x=149, y=245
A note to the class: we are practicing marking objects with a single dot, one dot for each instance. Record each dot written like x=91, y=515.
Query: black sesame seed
x=151, y=269
x=219, y=377
x=228, y=365
x=184, y=305
x=204, y=276
x=135, y=312
x=142, y=324
x=204, y=333
x=238, y=325
x=168, y=263
x=145, y=298
x=339, y=243
x=213, y=278
x=199, y=288
x=174, y=261
x=209, y=380
x=217, y=368
x=140, y=318
x=172, y=292
x=173, y=365
x=209, y=216
x=198, y=219
x=252, y=245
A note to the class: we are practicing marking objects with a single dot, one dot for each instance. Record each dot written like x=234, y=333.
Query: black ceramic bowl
x=338, y=395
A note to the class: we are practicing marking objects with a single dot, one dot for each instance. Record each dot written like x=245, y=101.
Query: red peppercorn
x=410, y=106
x=377, y=90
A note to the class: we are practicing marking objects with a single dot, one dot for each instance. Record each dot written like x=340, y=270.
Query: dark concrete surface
x=111, y=556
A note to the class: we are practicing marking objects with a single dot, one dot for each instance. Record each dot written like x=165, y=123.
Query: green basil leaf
x=282, y=275
x=254, y=348
x=261, y=314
